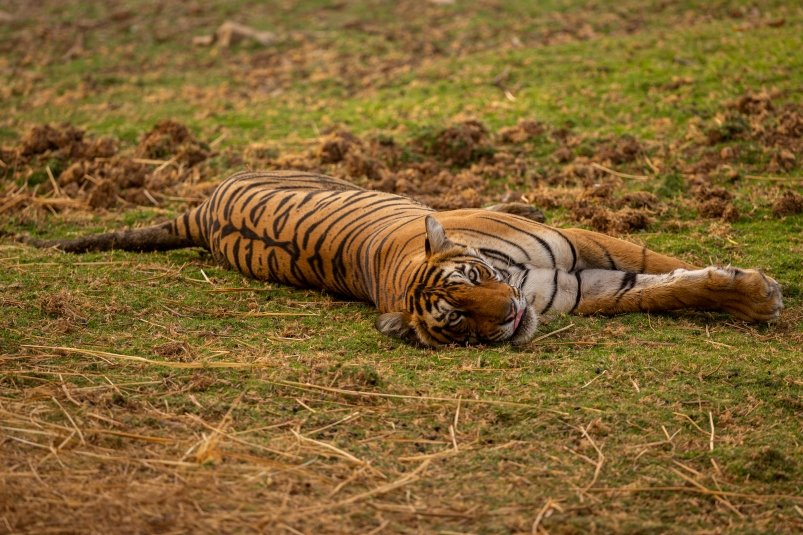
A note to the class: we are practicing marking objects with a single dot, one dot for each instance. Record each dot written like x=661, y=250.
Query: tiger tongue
x=517, y=320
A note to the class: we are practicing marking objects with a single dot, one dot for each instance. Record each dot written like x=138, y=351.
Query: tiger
x=466, y=276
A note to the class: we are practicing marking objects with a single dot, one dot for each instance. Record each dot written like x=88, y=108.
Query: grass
x=305, y=419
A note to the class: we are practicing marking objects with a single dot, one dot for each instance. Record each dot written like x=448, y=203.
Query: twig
x=67, y=414
x=272, y=314
x=600, y=459
x=229, y=290
x=700, y=429
x=454, y=438
x=56, y=188
x=721, y=499
x=775, y=178
x=457, y=413
x=298, y=400
x=617, y=173
x=711, y=439
x=231, y=436
x=384, y=489
x=703, y=490
x=330, y=447
x=142, y=360
x=556, y=331
x=304, y=386
x=545, y=511
x=595, y=378
x=352, y=416
x=150, y=197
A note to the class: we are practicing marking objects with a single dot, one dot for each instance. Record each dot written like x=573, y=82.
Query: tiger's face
x=457, y=297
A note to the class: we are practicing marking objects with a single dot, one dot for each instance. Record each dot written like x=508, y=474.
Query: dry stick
x=272, y=314
x=774, y=178
x=556, y=331
x=711, y=439
x=427, y=456
x=454, y=438
x=352, y=416
x=702, y=487
x=150, y=197
x=345, y=482
x=457, y=413
x=380, y=528
x=233, y=438
x=384, y=489
x=703, y=490
x=700, y=429
x=143, y=360
x=67, y=414
x=30, y=431
x=146, y=438
x=218, y=139
x=207, y=444
x=595, y=378
x=53, y=182
x=307, y=386
x=149, y=161
x=617, y=173
x=325, y=445
x=298, y=400
x=228, y=290
x=600, y=459
x=548, y=506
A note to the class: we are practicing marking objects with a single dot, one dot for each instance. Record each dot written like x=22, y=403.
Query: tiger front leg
x=745, y=293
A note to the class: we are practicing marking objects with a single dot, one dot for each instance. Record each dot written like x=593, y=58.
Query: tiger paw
x=747, y=294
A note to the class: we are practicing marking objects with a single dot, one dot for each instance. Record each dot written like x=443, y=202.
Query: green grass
x=644, y=389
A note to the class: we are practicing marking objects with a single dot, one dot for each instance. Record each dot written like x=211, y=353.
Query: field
x=160, y=393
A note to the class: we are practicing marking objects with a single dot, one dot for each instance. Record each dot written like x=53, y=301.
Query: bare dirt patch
x=61, y=166
x=789, y=203
x=461, y=165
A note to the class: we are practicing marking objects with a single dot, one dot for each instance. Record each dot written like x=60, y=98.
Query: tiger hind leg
x=745, y=293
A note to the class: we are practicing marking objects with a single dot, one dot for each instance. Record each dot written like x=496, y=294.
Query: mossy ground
x=259, y=408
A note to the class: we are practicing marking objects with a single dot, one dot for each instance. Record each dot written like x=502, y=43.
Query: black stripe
x=628, y=281
x=579, y=289
x=554, y=293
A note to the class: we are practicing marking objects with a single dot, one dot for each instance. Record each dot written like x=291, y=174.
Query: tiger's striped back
x=311, y=231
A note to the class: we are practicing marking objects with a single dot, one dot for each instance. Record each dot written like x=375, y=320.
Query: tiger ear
x=436, y=237
x=397, y=325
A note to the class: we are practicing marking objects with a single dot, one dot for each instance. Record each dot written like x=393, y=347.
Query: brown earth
x=462, y=165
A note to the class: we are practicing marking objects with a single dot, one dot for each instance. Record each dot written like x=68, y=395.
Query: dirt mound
x=62, y=167
x=458, y=145
x=789, y=203
x=63, y=141
x=753, y=103
x=611, y=220
x=335, y=146
x=618, y=151
x=525, y=130
x=463, y=165
x=715, y=202
x=173, y=141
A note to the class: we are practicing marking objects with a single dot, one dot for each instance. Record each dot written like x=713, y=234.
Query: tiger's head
x=457, y=297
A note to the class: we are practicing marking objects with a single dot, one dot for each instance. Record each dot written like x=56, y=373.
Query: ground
x=161, y=393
